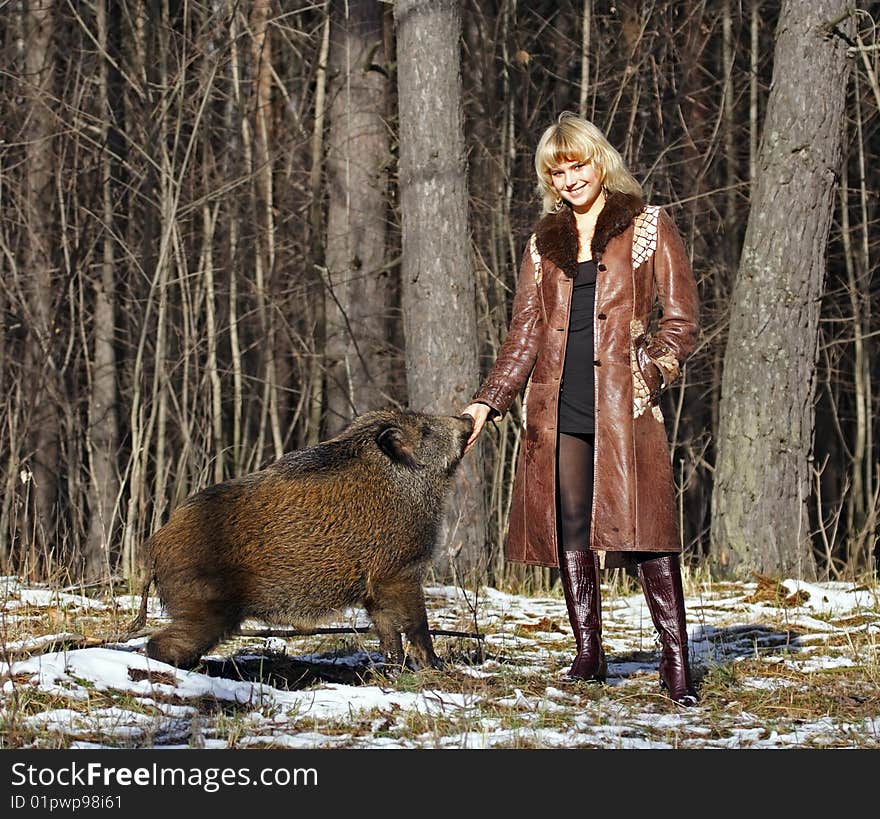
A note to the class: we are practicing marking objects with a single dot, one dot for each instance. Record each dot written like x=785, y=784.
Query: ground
x=779, y=665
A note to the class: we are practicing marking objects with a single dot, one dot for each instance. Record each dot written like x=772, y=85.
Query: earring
x=557, y=205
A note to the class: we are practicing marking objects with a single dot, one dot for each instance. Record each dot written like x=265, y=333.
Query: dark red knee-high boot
x=580, y=583
x=661, y=582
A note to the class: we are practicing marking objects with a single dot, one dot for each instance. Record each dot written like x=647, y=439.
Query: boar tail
x=141, y=620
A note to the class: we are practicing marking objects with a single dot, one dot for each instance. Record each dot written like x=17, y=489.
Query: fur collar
x=557, y=238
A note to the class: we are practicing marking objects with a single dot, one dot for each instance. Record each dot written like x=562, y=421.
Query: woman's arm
x=676, y=337
x=518, y=352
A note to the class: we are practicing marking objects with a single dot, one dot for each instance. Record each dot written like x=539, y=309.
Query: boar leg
x=398, y=605
x=184, y=641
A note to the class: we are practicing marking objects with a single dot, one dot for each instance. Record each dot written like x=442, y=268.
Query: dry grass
x=768, y=682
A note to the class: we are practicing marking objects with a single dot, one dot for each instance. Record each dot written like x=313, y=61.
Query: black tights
x=574, y=482
x=574, y=488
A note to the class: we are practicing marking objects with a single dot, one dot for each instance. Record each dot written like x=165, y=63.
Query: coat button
x=601, y=266
x=602, y=316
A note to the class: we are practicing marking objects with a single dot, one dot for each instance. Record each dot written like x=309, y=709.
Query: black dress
x=576, y=397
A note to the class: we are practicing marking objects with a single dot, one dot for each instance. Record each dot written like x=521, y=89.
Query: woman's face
x=578, y=182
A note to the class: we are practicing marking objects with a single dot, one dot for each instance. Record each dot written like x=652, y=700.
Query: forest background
x=227, y=226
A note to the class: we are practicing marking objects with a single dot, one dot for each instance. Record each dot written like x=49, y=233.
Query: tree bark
x=765, y=437
x=315, y=292
x=103, y=432
x=439, y=314
x=42, y=462
x=264, y=266
x=585, y=57
x=357, y=354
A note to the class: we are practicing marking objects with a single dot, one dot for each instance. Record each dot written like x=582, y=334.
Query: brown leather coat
x=635, y=359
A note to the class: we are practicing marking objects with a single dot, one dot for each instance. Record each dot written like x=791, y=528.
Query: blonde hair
x=574, y=139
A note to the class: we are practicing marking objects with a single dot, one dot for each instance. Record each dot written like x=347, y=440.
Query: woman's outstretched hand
x=479, y=412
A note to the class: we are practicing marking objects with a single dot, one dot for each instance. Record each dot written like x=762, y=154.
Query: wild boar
x=352, y=521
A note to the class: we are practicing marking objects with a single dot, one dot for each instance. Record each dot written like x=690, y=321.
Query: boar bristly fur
x=350, y=522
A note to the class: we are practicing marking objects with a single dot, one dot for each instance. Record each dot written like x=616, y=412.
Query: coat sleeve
x=676, y=336
x=519, y=350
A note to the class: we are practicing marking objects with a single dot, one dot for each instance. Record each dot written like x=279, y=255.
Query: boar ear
x=390, y=441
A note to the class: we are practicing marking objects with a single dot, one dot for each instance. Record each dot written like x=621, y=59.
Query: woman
x=594, y=486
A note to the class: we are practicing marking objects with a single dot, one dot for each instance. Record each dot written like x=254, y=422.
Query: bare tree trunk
x=263, y=195
x=44, y=391
x=585, y=57
x=765, y=437
x=141, y=65
x=754, y=22
x=236, y=130
x=316, y=292
x=162, y=364
x=209, y=220
x=728, y=127
x=438, y=301
x=861, y=507
x=102, y=437
x=357, y=355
